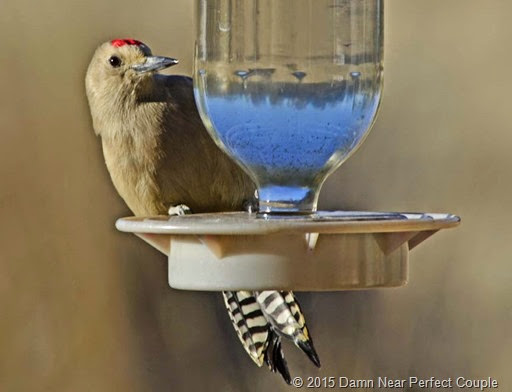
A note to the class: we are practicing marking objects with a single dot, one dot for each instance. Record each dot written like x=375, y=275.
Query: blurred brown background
x=85, y=308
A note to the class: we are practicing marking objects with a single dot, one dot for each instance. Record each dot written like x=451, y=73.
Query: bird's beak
x=154, y=63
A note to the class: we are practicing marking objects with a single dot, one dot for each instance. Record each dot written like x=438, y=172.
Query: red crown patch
x=121, y=42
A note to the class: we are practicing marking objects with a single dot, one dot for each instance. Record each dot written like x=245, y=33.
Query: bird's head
x=122, y=64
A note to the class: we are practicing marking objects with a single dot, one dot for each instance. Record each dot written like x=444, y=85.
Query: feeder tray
x=328, y=251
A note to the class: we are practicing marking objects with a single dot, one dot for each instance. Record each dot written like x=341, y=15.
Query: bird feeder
x=289, y=90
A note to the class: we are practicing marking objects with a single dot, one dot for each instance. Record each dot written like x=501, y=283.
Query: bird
x=162, y=160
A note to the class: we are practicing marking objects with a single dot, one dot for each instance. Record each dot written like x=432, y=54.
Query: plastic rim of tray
x=332, y=250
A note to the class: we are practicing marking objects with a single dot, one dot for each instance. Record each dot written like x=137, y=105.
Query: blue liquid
x=290, y=133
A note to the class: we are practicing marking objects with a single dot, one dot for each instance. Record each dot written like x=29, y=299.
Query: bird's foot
x=179, y=210
x=250, y=205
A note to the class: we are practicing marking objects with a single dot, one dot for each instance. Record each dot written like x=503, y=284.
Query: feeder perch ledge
x=330, y=251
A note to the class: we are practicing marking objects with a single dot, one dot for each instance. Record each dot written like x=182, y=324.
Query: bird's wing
x=208, y=181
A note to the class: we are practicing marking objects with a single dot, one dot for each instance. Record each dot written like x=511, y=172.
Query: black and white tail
x=249, y=323
x=261, y=319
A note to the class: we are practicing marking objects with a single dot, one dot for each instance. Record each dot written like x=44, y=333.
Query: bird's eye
x=114, y=61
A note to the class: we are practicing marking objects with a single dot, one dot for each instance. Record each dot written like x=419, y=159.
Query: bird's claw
x=179, y=210
x=250, y=205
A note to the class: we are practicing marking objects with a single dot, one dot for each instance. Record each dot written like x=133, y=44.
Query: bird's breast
x=133, y=174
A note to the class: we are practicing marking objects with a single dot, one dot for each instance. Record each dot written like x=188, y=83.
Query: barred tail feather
x=283, y=312
x=306, y=346
x=274, y=358
x=249, y=323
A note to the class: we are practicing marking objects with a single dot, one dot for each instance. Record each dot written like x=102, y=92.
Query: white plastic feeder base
x=237, y=251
